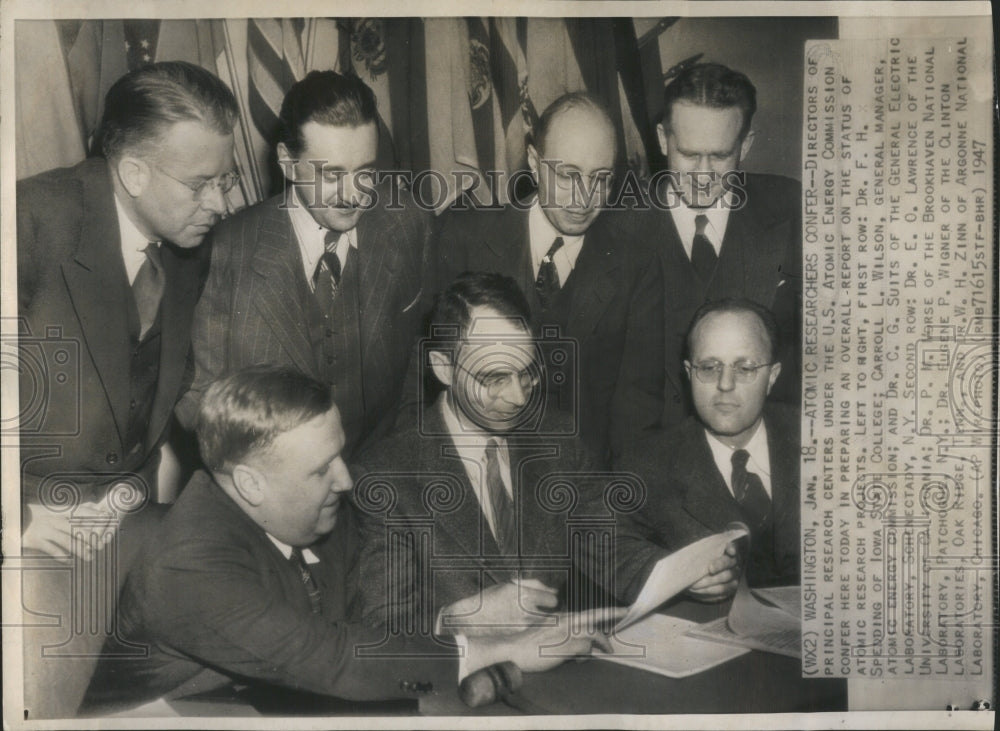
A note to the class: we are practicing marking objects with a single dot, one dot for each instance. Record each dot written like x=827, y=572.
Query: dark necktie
x=703, y=256
x=749, y=490
x=503, y=507
x=148, y=288
x=547, y=283
x=305, y=575
x=326, y=278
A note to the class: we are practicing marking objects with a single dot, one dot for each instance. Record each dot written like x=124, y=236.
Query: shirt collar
x=470, y=443
x=311, y=237
x=541, y=234
x=759, y=462
x=715, y=230
x=286, y=550
x=134, y=242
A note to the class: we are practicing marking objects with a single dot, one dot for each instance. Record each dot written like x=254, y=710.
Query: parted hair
x=246, y=411
x=325, y=97
x=712, y=85
x=452, y=315
x=142, y=105
x=736, y=305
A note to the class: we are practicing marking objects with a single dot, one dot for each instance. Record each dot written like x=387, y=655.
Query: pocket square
x=414, y=302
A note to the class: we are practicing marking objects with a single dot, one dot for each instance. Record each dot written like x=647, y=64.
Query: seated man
x=253, y=577
x=473, y=470
x=737, y=461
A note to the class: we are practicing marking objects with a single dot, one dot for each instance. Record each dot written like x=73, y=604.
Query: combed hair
x=246, y=411
x=572, y=100
x=452, y=315
x=143, y=104
x=328, y=98
x=737, y=305
x=712, y=85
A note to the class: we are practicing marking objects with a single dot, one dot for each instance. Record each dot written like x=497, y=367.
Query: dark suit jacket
x=253, y=309
x=760, y=259
x=615, y=317
x=216, y=600
x=73, y=296
x=430, y=486
x=687, y=499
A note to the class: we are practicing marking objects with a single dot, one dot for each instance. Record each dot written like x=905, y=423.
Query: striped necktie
x=308, y=581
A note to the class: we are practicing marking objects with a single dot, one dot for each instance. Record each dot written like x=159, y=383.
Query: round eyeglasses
x=710, y=371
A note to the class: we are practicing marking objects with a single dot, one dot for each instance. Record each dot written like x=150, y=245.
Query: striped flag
x=509, y=70
x=276, y=61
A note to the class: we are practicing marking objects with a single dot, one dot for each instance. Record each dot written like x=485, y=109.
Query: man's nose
x=727, y=380
x=342, y=480
x=214, y=200
x=516, y=394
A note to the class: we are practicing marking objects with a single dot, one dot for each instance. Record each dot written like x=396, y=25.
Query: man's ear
x=775, y=372
x=661, y=135
x=687, y=368
x=250, y=484
x=134, y=175
x=441, y=365
x=745, y=145
x=533, y=160
x=288, y=168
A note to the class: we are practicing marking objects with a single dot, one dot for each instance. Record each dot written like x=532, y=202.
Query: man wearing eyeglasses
x=328, y=275
x=737, y=460
x=582, y=270
x=474, y=466
x=108, y=270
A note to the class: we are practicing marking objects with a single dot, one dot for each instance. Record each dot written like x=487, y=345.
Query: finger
x=732, y=550
x=602, y=642
x=534, y=599
x=535, y=585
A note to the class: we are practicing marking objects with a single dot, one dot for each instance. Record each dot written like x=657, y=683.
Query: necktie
x=148, y=288
x=326, y=278
x=703, y=256
x=305, y=575
x=547, y=283
x=749, y=490
x=503, y=507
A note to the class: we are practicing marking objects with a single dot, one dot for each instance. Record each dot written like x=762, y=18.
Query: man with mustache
x=736, y=461
x=326, y=276
x=109, y=266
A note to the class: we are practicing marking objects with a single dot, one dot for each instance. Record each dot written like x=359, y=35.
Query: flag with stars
x=140, y=42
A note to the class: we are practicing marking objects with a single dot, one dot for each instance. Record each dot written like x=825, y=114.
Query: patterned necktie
x=148, y=288
x=326, y=278
x=749, y=490
x=703, y=256
x=547, y=283
x=305, y=575
x=503, y=507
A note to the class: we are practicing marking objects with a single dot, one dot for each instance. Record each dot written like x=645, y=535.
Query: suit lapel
x=278, y=263
x=98, y=285
x=707, y=497
x=682, y=286
x=378, y=262
x=594, y=283
x=784, y=465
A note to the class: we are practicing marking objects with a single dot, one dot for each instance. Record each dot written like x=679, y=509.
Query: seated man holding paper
x=254, y=579
x=463, y=519
x=736, y=462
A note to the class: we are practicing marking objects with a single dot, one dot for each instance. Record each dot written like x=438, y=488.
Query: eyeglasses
x=566, y=178
x=223, y=183
x=744, y=371
x=496, y=383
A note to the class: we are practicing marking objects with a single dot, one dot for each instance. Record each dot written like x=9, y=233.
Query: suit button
x=131, y=404
x=329, y=333
x=112, y=458
x=677, y=399
x=329, y=359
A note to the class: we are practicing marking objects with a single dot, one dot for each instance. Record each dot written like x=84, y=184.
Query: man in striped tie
x=476, y=463
x=737, y=460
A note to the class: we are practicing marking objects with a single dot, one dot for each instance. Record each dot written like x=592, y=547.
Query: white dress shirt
x=471, y=448
x=541, y=235
x=134, y=243
x=715, y=229
x=311, y=237
x=759, y=462
x=307, y=555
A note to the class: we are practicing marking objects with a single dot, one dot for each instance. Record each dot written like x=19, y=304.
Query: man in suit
x=108, y=271
x=736, y=461
x=326, y=276
x=254, y=579
x=721, y=232
x=478, y=469
x=582, y=270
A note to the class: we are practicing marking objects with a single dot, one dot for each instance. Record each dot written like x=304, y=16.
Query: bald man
x=583, y=272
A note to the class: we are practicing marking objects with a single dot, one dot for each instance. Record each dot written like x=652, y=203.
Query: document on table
x=660, y=644
x=676, y=572
x=762, y=619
